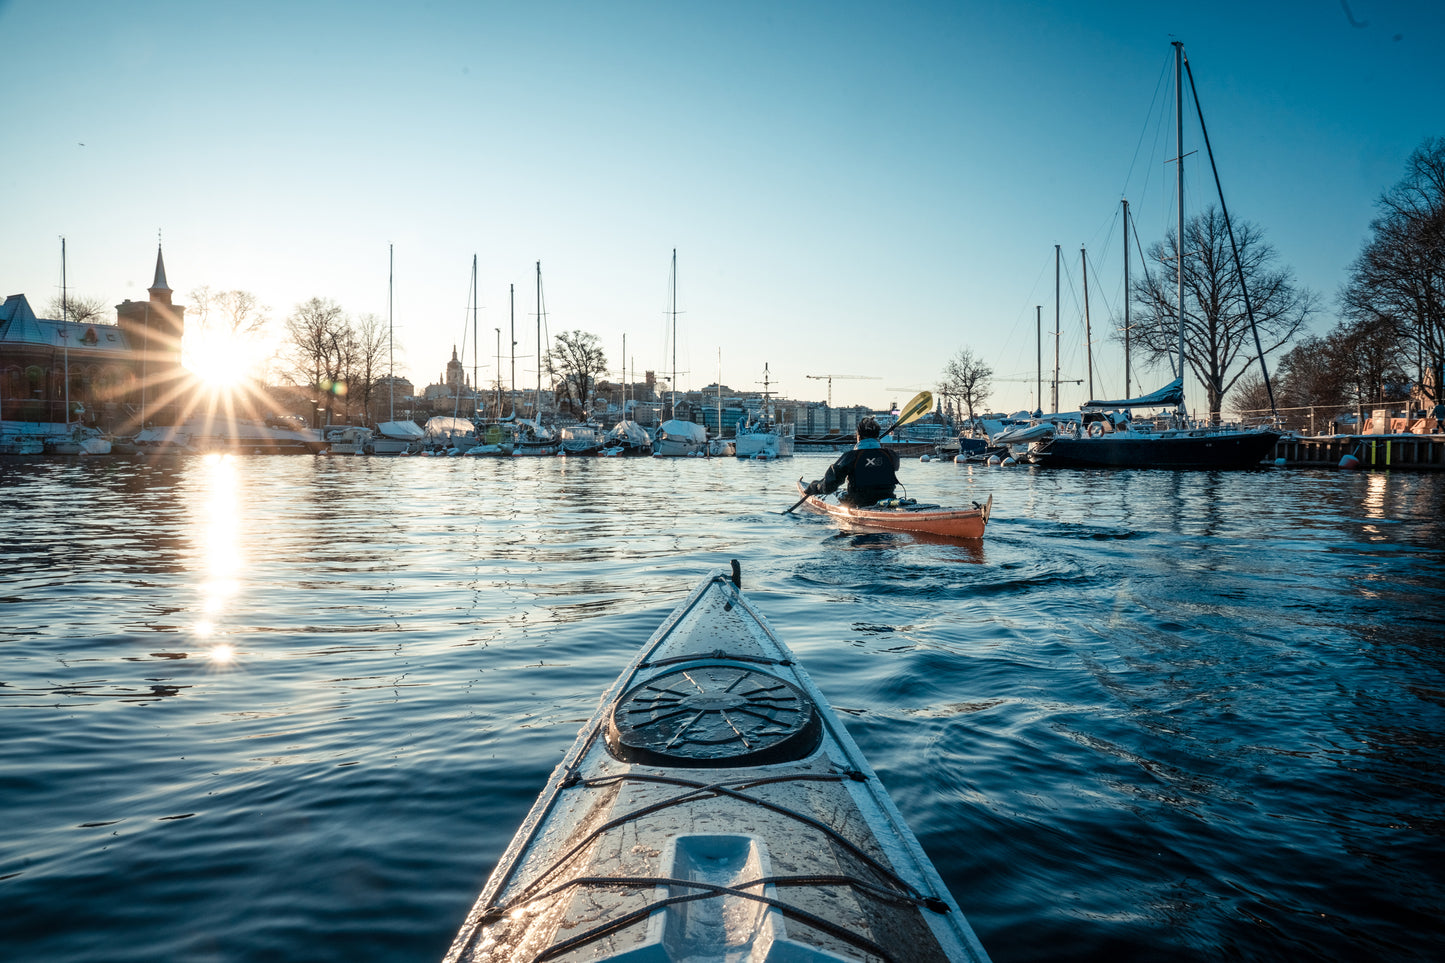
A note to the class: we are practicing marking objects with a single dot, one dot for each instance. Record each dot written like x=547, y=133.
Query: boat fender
x=1096, y=430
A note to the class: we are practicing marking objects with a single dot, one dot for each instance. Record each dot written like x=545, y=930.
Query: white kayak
x=715, y=809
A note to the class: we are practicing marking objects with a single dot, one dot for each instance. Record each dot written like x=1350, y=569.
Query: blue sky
x=852, y=188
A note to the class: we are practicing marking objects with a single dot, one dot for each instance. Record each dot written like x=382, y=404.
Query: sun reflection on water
x=219, y=541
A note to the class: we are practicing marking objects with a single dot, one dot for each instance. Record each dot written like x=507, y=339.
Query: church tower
x=153, y=328
x=456, y=375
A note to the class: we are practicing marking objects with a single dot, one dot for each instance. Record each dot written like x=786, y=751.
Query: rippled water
x=293, y=708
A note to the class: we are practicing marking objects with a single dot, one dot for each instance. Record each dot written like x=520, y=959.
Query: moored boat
x=495, y=440
x=396, y=438
x=679, y=439
x=1172, y=441
x=904, y=515
x=579, y=440
x=714, y=808
x=628, y=438
x=276, y=435
x=348, y=439
x=760, y=435
x=532, y=439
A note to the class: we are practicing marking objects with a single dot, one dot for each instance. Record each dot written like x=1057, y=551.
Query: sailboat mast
x=1179, y=189
x=390, y=334
x=1127, y=394
x=65, y=330
x=1056, y=330
x=1088, y=330
x=537, y=407
x=1039, y=336
x=674, y=332
x=476, y=345
x=512, y=313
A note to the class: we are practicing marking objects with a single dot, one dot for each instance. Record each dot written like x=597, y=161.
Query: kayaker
x=870, y=470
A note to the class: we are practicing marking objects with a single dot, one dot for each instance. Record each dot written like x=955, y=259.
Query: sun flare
x=219, y=360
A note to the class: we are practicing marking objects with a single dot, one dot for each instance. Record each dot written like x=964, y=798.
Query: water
x=293, y=708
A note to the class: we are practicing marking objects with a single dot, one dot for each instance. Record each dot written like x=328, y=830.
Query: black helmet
x=868, y=427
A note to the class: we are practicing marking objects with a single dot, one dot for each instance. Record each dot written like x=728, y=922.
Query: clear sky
x=852, y=188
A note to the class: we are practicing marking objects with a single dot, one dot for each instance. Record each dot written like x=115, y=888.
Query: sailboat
x=677, y=438
x=760, y=436
x=1174, y=441
x=394, y=437
x=533, y=438
x=76, y=438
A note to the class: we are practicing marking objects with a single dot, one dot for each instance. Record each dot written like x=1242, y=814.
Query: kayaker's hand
x=814, y=488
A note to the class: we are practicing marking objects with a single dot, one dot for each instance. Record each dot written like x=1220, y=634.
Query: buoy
x=1009, y=461
x=925, y=458
x=1280, y=462
x=1349, y=462
x=960, y=459
x=993, y=459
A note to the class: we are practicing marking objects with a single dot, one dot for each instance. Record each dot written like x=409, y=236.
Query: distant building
x=113, y=376
x=454, y=387
x=392, y=399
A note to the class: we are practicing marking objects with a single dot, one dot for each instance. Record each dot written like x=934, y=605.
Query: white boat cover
x=1167, y=396
x=629, y=433
x=447, y=428
x=401, y=430
x=1023, y=434
x=529, y=429
x=683, y=431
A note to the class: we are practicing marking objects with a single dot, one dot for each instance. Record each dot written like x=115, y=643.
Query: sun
x=219, y=359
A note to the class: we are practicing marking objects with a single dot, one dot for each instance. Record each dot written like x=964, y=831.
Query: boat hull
x=763, y=445
x=236, y=436
x=1186, y=450
x=922, y=519
x=714, y=808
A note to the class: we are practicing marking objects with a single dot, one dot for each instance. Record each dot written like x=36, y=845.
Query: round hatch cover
x=713, y=716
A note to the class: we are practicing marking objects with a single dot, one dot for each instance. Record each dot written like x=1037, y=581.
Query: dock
x=1396, y=452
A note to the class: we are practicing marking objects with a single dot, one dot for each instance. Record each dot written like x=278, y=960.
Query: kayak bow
x=904, y=517
x=714, y=808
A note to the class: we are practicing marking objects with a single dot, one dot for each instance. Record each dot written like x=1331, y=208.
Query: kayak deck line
x=714, y=808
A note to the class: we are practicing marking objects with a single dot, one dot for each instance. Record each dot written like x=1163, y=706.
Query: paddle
x=917, y=408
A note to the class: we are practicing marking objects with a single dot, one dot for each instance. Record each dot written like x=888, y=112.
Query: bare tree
x=239, y=314
x=319, y=346
x=1397, y=284
x=78, y=308
x=573, y=365
x=1218, y=342
x=967, y=378
x=369, y=362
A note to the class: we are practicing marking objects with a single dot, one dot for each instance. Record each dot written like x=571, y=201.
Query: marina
x=827, y=601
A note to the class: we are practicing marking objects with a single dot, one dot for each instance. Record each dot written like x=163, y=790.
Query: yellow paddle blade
x=917, y=408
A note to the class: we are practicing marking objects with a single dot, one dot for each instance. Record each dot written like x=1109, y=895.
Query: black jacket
x=871, y=474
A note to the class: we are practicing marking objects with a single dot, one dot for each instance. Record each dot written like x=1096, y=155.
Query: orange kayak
x=907, y=516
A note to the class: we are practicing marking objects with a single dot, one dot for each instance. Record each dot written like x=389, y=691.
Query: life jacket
x=873, y=469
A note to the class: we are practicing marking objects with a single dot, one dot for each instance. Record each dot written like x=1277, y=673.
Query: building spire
x=160, y=282
x=160, y=292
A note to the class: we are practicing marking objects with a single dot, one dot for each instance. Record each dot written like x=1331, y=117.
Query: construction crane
x=829, y=378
